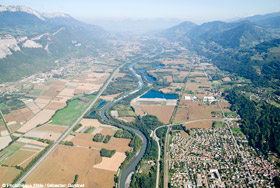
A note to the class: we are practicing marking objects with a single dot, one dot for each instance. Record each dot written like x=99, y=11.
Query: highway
x=56, y=143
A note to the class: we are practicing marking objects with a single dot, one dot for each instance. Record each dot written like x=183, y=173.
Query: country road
x=56, y=143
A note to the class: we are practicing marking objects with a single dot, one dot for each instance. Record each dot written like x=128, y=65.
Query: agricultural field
x=47, y=131
x=69, y=114
x=163, y=113
x=162, y=108
x=124, y=111
x=64, y=163
x=39, y=100
x=7, y=174
x=20, y=154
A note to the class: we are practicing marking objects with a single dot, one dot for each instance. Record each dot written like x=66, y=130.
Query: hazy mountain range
x=29, y=39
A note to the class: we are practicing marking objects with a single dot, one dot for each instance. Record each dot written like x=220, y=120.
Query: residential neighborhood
x=209, y=158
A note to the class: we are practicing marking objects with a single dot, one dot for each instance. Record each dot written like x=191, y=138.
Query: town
x=209, y=158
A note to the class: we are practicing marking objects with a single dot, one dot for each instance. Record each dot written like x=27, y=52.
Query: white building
x=188, y=98
x=209, y=99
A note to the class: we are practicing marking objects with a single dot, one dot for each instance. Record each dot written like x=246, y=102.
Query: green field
x=124, y=111
x=69, y=114
x=36, y=92
x=218, y=124
x=237, y=130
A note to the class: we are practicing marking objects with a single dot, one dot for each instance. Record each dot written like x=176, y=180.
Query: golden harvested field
x=20, y=157
x=42, y=103
x=198, y=110
x=89, y=86
x=163, y=113
x=50, y=135
x=9, y=119
x=109, y=97
x=201, y=124
x=109, y=132
x=40, y=87
x=19, y=117
x=118, y=144
x=28, y=160
x=181, y=114
x=40, y=118
x=64, y=163
x=66, y=92
x=4, y=141
x=128, y=119
x=139, y=110
x=167, y=90
x=119, y=75
x=26, y=113
x=7, y=174
x=94, y=123
x=112, y=163
x=2, y=128
x=98, y=178
x=55, y=128
x=55, y=105
x=53, y=91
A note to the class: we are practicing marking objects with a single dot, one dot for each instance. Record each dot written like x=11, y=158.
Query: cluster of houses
x=206, y=99
x=209, y=158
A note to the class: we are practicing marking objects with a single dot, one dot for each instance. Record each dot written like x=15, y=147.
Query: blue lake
x=158, y=66
x=147, y=76
x=157, y=94
x=92, y=113
x=101, y=104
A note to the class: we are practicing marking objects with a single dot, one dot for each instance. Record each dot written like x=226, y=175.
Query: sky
x=192, y=10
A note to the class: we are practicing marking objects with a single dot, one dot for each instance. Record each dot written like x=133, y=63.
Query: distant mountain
x=271, y=20
x=240, y=34
x=31, y=41
x=178, y=30
x=225, y=35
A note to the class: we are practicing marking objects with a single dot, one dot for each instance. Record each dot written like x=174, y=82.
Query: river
x=131, y=167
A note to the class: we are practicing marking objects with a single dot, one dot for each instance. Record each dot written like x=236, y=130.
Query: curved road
x=131, y=167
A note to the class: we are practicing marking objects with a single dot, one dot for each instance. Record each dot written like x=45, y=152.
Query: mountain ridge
x=29, y=38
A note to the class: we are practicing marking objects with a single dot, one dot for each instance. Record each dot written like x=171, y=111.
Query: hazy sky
x=193, y=10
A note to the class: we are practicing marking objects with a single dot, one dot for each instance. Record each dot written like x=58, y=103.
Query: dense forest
x=260, y=121
x=145, y=124
x=260, y=64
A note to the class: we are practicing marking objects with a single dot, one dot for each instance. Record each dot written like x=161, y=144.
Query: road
x=131, y=167
x=56, y=143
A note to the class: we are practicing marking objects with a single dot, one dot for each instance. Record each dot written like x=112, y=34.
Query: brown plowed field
x=7, y=174
x=64, y=163
x=198, y=110
x=201, y=124
x=163, y=113
x=118, y=144
x=19, y=157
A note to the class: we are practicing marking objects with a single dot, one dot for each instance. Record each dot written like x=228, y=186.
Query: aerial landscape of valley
x=140, y=94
